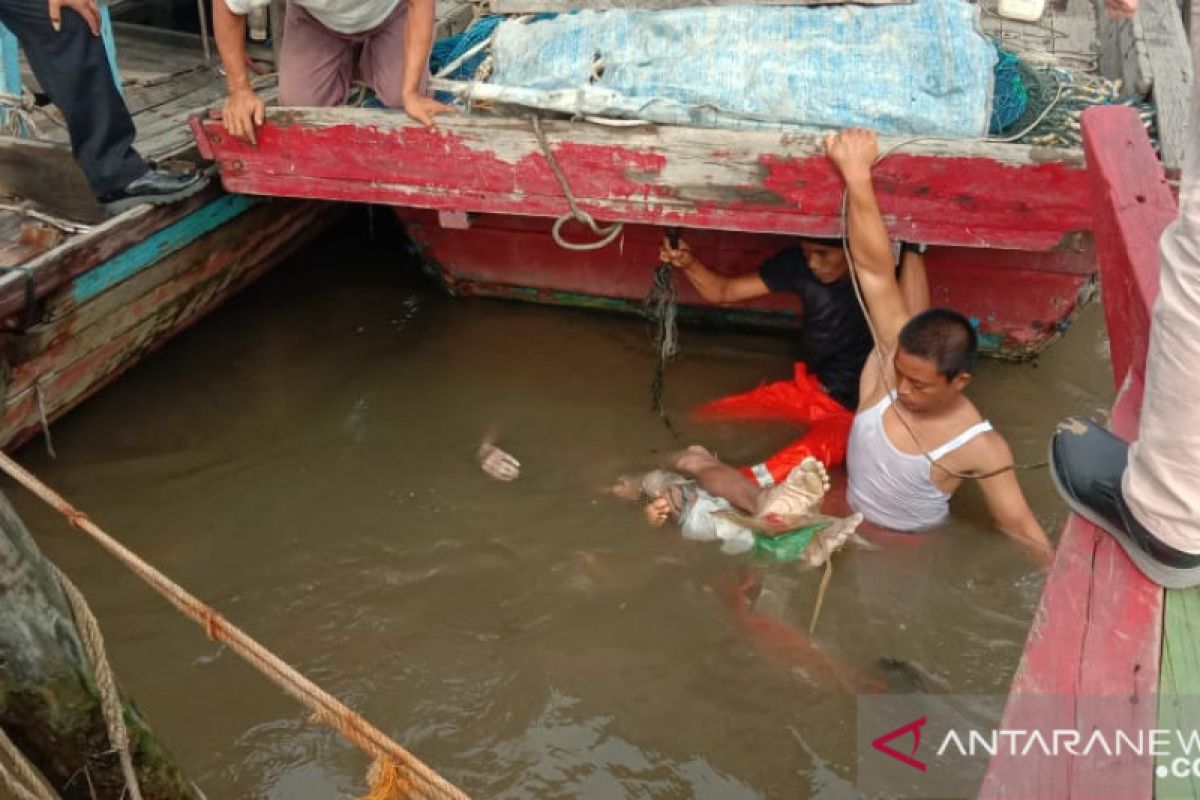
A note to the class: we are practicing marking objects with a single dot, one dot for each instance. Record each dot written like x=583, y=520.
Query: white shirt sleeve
x=243, y=6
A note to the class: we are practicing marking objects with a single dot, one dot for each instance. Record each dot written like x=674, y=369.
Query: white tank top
x=891, y=488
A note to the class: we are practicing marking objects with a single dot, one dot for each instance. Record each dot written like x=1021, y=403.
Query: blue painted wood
x=10, y=61
x=158, y=246
x=110, y=45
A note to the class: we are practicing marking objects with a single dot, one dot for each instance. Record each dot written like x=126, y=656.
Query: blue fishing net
x=1009, y=96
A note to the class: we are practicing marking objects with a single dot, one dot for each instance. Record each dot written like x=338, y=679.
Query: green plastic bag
x=786, y=546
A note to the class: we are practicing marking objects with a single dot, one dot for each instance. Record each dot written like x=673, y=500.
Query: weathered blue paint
x=159, y=245
x=110, y=44
x=10, y=61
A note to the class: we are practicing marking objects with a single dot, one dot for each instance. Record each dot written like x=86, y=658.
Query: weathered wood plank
x=567, y=6
x=1179, y=689
x=84, y=251
x=48, y=176
x=971, y=194
x=1134, y=206
x=1151, y=55
x=87, y=360
x=1092, y=657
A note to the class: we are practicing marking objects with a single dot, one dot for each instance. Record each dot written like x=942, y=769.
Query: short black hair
x=944, y=337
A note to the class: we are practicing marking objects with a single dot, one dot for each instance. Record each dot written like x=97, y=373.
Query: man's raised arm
x=853, y=152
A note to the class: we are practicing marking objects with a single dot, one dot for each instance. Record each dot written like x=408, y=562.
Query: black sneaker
x=1086, y=464
x=156, y=187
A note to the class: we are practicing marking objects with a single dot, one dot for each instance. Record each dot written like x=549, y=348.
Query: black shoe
x=156, y=187
x=1086, y=464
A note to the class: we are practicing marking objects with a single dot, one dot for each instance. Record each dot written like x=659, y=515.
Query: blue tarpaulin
x=923, y=68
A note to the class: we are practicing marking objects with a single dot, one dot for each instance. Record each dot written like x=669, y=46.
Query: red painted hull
x=1009, y=224
x=1023, y=300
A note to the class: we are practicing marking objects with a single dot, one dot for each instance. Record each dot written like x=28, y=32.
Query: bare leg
x=718, y=479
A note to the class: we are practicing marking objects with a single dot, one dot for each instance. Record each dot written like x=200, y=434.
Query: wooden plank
x=1134, y=206
x=47, y=175
x=1179, y=689
x=89, y=359
x=84, y=251
x=1092, y=657
x=1151, y=55
x=965, y=193
x=567, y=6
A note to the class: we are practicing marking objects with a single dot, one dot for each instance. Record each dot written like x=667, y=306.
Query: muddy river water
x=303, y=460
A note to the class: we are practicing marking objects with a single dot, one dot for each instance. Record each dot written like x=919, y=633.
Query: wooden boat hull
x=116, y=297
x=1022, y=300
x=1009, y=224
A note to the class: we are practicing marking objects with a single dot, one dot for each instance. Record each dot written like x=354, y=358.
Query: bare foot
x=799, y=494
x=657, y=511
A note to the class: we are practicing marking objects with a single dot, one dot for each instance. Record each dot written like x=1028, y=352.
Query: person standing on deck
x=322, y=40
x=1147, y=495
x=835, y=343
x=61, y=40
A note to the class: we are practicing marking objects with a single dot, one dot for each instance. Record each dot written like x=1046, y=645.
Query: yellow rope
x=399, y=774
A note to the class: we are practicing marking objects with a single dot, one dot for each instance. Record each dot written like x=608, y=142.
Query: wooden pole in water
x=49, y=704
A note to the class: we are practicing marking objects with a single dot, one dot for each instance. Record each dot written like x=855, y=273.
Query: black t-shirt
x=835, y=339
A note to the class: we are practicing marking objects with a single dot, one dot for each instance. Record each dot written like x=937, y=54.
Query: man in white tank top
x=915, y=435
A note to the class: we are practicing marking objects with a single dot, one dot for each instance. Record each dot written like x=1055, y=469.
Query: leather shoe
x=155, y=187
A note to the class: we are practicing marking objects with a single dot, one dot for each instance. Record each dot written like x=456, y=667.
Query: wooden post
x=49, y=704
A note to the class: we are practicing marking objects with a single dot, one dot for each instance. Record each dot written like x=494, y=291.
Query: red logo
x=914, y=727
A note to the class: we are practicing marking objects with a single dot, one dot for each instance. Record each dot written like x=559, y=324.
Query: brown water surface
x=303, y=460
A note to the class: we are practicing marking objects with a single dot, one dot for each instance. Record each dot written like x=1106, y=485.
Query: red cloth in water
x=801, y=400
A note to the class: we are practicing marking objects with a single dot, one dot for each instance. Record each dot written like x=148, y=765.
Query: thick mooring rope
x=607, y=235
x=395, y=772
x=110, y=699
x=24, y=782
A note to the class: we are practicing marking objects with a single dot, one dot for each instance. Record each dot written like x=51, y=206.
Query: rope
x=110, y=698
x=607, y=235
x=812, y=624
x=64, y=225
x=395, y=769
x=26, y=775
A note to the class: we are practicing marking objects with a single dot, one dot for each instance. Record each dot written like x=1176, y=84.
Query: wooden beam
x=1092, y=657
x=964, y=193
x=1134, y=205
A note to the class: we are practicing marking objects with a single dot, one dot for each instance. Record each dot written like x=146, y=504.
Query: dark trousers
x=72, y=68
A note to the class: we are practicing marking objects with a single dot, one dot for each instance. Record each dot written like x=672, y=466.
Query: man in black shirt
x=835, y=343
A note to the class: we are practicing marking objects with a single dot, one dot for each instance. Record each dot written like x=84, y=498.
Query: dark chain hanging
x=661, y=308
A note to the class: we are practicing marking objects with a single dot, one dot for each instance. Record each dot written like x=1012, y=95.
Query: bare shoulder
x=987, y=452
